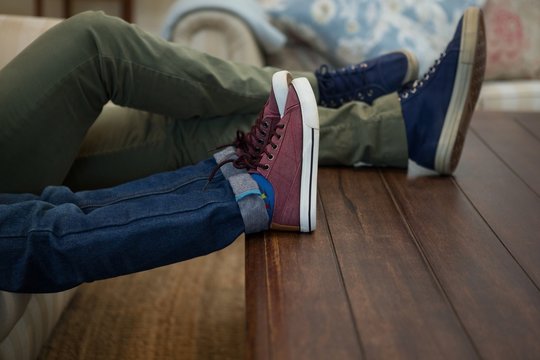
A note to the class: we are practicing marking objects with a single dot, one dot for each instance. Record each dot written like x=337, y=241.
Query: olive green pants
x=175, y=106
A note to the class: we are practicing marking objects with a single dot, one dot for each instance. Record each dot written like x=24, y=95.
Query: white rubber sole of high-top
x=310, y=154
x=280, y=84
x=467, y=85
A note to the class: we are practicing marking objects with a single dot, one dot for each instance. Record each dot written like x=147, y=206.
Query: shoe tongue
x=271, y=108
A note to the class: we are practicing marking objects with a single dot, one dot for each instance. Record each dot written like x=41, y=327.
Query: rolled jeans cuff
x=247, y=193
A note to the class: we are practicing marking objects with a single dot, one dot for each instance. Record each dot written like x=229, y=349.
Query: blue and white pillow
x=349, y=31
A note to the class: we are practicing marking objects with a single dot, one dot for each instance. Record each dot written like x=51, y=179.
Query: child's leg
x=59, y=239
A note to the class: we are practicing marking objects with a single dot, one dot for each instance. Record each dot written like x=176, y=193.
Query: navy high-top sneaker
x=366, y=81
x=437, y=109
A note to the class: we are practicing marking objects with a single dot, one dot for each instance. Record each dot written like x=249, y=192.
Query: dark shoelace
x=339, y=86
x=250, y=147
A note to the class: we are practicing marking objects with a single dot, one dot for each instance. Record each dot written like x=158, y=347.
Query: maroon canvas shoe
x=289, y=161
x=272, y=112
x=285, y=151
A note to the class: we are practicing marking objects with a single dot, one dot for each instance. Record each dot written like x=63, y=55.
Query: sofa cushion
x=220, y=34
x=12, y=307
x=513, y=50
x=19, y=31
x=350, y=31
x=31, y=319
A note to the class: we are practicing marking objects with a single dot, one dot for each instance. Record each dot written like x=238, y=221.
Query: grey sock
x=247, y=193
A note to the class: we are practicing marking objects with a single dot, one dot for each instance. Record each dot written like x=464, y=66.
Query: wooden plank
x=531, y=121
x=398, y=306
x=495, y=300
x=308, y=316
x=516, y=146
x=258, y=336
x=510, y=207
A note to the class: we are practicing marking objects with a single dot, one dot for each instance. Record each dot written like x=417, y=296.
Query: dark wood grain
x=516, y=146
x=399, y=306
x=494, y=298
x=308, y=313
x=258, y=333
x=432, y=267
x=530, y=121
x=510, y=207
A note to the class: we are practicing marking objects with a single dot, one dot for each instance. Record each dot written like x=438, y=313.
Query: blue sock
x=267, y=192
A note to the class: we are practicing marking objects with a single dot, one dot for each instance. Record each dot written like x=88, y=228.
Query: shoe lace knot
x=342, y=85
x=412, y=88
x=251, y=146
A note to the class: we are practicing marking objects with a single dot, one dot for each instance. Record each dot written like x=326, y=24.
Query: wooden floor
x=428, y=268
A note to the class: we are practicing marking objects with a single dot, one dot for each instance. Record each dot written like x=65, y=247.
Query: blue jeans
x=60, y=239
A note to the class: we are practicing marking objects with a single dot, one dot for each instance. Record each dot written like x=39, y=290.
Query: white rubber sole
x=464, y=93
x=280, y=85
x=310, y=154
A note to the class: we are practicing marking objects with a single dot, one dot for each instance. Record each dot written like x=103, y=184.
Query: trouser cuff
x=247, y=193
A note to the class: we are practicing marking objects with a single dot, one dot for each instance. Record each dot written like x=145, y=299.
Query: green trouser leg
x=353, y=134
x=59, y=84
x=53, y=91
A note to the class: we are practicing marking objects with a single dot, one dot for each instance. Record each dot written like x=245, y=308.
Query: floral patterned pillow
x=348, y=31
x=513, y=39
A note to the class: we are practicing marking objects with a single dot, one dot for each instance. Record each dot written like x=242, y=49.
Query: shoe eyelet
x=370, y=93
x=274, y=146
x=413, y=91
x=406, y=95
x=266, y=167
x=265, y=124
x=363, y=65
x=271, y=157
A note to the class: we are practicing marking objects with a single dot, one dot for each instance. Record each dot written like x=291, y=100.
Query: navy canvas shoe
x=366, y=81
x=437, y=109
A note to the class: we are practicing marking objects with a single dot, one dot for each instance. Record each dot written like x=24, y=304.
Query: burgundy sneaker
x=285, y=151
x=290, y=158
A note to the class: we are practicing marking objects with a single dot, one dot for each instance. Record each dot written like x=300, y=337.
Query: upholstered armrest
x=219, y=34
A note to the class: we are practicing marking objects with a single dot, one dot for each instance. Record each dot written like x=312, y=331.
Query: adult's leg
x=59, y=239
x=54, y=97
x=126, y=144
x=53, y=91
x=357, y=133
